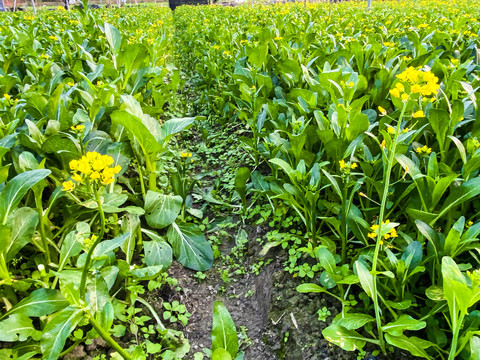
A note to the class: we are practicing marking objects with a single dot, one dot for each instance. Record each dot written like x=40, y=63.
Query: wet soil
x=274, y=320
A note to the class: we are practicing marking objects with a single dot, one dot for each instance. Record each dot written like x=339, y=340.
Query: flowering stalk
x=94, y=245
x=375, y=295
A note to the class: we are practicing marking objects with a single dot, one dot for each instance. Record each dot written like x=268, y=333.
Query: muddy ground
x=279, y=322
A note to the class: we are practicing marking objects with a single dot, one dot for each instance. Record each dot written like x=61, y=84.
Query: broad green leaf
x=18, y=327
x=435, y=293
x=147, y=272
x=174, y=126
x=258, y=55
x=403, y=323
x=326, y=260
x=308, y=288
x=412, y=344
x=190, y=247
x=161, y=210
x=365, y=277
x=97, y=295
x=241, y=178
x=439, y=119
x=354, y=321
x=453, y=237
x=16, y=188
x=113, y=37
x=475, y=348
x=413, y=254
x=459, y=195
x=109, y=245
x=224, y=332
x=40, y=302
x=221, y=354
x=157, y=252
x=22, y=222
x=349, y=340
x=455, y=287
x=130, y=225
x=70, y=247
x=138, y=130
x=58, y=330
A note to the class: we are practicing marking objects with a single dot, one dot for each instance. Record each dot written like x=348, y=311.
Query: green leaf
x=57, y=331
x=241, y=178
x=174, y=126
x=221, y=354
x=22, y=222
x=40, y=302
x=455, y=287
x=190, y=247
x=113, y=37
x=109, y=245
x=403, y=323
x=439, y=119
x=130, y=226
x=412, y=344
x=354, y=321
x=161, y=210
x=365, y=277
x=138, y=130
x=309, y=287
x=349, y=340
x=16, y=188
x=258, y=55
x=224, y=332
x=462, y=193
x=453, y=238
x=474, y=348
x=326, y=260
x=70, y=247
x=157, y=252
x=97, y=295
x=435, y=293
x=17, y=327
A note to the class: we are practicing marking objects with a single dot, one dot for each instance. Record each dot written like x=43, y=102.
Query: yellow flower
x=68, y=186
x=418, y=114
x=353, y=166
x=404, y=97
x=77, y=177
x=423, y=150
x=6, y=96
x=383, y=112
x=70, y=83
x=185, y=154
x=95, y=175
x=391, y=130
x=395, y=93
x=52, y=37
x=342, y=164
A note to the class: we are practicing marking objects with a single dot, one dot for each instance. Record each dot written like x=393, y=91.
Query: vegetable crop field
x=290, y=181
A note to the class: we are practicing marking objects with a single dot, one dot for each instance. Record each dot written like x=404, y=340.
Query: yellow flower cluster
x=346, y=167
x=88, y=242
x=423, y=150
x=78, y=128
x=390, y=234
x=92, y=167
x=185, y=154
x=420, y=82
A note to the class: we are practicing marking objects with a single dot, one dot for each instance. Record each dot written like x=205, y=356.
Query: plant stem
x=83, y=281
x=152, y=174
x=391, y=158
x=140, y=177
x=38, y=202
x=106, y=336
